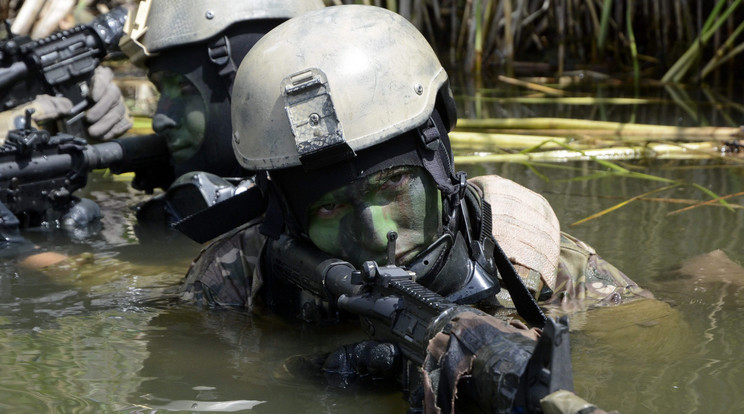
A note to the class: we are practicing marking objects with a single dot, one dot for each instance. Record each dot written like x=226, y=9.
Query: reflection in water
x=208, y=406
x=225, y=355
x=663, y=105
x=76, y=363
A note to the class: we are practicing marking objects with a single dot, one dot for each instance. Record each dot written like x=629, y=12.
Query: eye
x=329, y=209
x=396, y=180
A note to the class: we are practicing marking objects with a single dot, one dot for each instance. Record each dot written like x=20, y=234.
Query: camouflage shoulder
x=225, y=272
x=585, y=279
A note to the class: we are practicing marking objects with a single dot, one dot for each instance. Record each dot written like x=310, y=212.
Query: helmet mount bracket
x=318, y=134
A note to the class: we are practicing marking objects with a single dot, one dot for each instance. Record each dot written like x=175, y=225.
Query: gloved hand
x=108, y=118
x=347, y=364
x=12, y=244
x=490, y=353
x=363, y=359
x=46, y=107
x=82, y=219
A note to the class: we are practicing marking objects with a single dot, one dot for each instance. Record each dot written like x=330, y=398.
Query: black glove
x=500, y=367
x=366, y=359
x=12, y=244
x=82, y=219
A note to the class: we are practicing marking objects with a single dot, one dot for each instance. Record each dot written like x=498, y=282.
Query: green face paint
x=352, y=222
x=181, y=102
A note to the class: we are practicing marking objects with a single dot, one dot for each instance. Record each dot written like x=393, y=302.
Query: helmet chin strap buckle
x=221, y=55
x=429, y=135
x=462, y=185
x=458, y=196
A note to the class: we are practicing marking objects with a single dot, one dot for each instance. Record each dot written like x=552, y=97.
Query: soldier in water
x=345, y=113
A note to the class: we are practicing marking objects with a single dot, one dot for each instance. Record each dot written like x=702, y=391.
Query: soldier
x=191, y=51
x=107, y=118
x=344, y=112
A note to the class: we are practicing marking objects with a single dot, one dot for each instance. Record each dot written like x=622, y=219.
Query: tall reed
x=663, y=39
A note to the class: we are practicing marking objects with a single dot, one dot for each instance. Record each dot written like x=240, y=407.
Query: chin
x=182, y=156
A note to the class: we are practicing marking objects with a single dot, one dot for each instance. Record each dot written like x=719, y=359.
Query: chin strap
x=220, y=54
x=273, y=223
x=437, y=157
x=525, y=303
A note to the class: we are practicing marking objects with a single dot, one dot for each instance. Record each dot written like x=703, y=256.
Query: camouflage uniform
x=227, y=272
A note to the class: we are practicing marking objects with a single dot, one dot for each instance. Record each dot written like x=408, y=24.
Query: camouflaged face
x=181, y=114
x=352, y=222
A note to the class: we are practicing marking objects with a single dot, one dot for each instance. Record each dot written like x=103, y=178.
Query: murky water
x=108, y=338
x=682, y=359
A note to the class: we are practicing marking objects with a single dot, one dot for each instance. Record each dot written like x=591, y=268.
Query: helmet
x=364, y=77
x=160, y=25
x=200, y=43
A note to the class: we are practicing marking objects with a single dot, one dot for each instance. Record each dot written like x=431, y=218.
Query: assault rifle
x=39, y=173
x=394, y=308
x=60, y=64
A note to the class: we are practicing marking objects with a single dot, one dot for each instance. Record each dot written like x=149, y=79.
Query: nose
x=370, y=228
x=162, y=122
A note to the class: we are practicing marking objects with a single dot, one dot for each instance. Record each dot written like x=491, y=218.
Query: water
x=680, y=360
x=109, y=338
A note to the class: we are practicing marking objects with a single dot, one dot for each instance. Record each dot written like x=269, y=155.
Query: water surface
x=108, y=337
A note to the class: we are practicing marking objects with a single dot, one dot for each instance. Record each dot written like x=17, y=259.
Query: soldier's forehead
x=378, y=177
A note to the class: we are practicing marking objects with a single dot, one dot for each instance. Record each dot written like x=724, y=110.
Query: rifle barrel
x=121, y=155
x=104, y=155
x=137, y=152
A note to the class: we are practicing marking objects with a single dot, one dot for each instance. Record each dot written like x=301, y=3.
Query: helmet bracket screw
x=314, y=119
x=209, y=14
x=418, y=88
